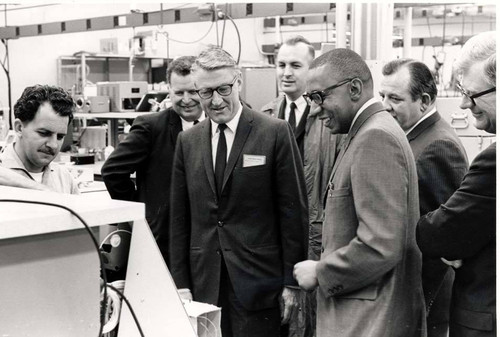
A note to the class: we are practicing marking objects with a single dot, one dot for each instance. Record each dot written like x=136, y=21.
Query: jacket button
x=218, y=251
x=322, y=249
x=220, y=224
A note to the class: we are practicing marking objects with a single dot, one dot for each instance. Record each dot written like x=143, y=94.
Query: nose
x=216, y=98
x=385, y=104
x=466, y=103
x=186, y=97
x=52, y=142
x=288, y=71
x=316, y=110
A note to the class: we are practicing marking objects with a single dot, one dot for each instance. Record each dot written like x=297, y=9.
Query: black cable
x=122, y=296
x=239, y=38
x=94, y=241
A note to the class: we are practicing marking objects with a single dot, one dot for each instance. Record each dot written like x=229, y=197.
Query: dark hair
x=27, y=105
x=180, y=66
x=421, y=79
x=345, y=63
x=292, y=41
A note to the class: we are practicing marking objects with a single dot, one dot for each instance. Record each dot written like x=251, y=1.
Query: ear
x=355, y=89
x=240, y=82
x=426, y=101
x=18, y=127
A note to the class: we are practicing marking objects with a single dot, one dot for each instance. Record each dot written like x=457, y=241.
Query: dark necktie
x=196, y=122
x=220, y=159
x=291, y=118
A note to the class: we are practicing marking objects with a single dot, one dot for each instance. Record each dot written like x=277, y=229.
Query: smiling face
x=337, y=110
x=220, y=109
x=293, y=64
x=397, y=100
x=40, y=140
x=185, y=100
x=484, y=111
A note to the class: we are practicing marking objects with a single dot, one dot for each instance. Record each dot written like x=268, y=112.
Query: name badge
x=250, y=160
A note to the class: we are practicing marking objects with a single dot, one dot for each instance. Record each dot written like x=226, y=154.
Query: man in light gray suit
x=368, y=276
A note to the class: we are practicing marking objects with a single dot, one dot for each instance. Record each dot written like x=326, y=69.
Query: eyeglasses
x=318, y=96
x=471, y=97
x=223, y=90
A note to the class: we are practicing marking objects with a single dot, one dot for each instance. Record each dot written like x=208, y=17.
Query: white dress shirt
x=188, y=125
x=301, y=104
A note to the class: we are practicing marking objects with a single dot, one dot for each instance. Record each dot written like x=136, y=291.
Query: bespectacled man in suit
x=463, y=229
x=238, y=206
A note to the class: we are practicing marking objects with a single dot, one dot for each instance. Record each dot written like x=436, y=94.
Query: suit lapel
x=206, y=150
x=281, y=114
x=423, y=126
x=175, y=126
x=242, y=132
x=365, y=115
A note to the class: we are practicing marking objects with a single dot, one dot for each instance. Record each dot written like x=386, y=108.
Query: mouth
x=47, y=153
x=218, y=109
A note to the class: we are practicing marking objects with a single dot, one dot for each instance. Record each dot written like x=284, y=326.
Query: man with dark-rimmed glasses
x=463, y=230
x=238, y=206
x=368, y=276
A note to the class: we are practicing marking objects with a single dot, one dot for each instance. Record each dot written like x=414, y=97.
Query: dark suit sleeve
x=180, y=221
x=291, y=202
x=441, y=167
x=465, y=224
x=128, y=156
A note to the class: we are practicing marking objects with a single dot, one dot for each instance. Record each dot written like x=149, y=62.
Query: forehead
x=397, y=82
x=213, y=78
x=178, y=81
x=320, y=78
x=47, y=118
x=474, y=78
x=296, y=53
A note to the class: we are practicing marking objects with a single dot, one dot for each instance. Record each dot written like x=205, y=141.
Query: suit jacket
x=464, y=228
x=276, y=108
x=259, y=224
x=370, y=266
x=441, y=165
x=148, y=150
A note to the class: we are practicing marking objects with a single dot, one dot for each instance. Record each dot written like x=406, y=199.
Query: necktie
x=196, y=122
x=291, y=118
x=220, y=159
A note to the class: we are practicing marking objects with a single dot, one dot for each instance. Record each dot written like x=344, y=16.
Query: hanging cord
x=239, y=38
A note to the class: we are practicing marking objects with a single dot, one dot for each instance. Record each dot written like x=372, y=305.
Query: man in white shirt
x=42, y=115
x=409, y=92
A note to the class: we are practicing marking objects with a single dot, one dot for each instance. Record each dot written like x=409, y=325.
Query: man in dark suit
x=293, y=60
x=238, y=206
x=148, y=150
x=463, y=228
x=409, y=92
x=368, y=275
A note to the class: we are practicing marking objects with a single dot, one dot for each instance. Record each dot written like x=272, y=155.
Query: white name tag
x=250, y=160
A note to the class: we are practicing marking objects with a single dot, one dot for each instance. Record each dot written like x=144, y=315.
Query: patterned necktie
x=220, y=159
x=291, y=118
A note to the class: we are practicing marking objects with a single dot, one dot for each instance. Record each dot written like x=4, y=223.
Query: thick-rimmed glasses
x=223, y=90
x=318, y=96
x=471, y=97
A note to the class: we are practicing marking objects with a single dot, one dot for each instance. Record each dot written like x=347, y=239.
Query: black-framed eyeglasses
x=223, y=90
x=318, y=96
x=471, y=97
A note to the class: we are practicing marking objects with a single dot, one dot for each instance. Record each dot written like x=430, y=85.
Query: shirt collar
x=11, y=160
x=187, y=125
x=231, y=125
x=301, y=103
x=363, y=108
x=423, y=118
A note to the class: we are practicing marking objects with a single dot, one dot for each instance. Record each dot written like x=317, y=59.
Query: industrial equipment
x=124, y=95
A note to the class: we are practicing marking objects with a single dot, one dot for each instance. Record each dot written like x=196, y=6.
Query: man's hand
x=455, y=263
x=289, y=303
x=305, y=274
x=185, y=294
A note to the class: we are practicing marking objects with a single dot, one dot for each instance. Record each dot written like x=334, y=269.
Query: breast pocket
x=341, y=222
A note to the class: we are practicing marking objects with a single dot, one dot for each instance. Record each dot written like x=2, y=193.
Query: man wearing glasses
x=368, y=276
x=238, y=206
x=409, y=92
x=462, y=230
